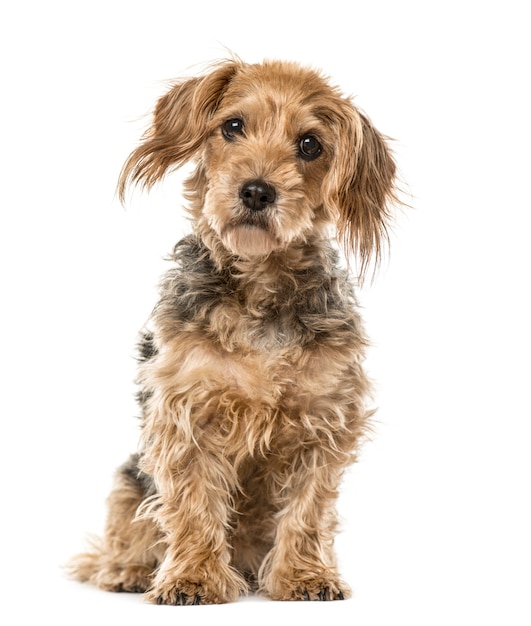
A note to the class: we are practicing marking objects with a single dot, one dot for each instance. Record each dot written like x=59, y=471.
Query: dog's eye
x=309, y=147
x=231, y=128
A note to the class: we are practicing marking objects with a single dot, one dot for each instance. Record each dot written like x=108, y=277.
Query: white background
x=436, y=519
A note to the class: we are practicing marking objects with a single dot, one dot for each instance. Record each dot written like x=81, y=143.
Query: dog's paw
x=322, y=593
x=316, y=588
x=182, y=592
x=128, y=578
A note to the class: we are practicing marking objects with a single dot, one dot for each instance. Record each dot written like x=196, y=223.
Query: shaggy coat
x=252, y=390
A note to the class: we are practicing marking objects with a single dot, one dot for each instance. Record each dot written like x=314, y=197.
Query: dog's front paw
x=193, y=590
x=320, y=588
x=181, y=593
x=314, y=590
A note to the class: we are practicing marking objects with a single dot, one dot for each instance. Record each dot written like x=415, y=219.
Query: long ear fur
x=178, y=129
x=365, y=190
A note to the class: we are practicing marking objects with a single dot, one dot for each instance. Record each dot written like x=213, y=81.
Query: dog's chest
x=268, y=330
x=227, y=348
x=268, y=322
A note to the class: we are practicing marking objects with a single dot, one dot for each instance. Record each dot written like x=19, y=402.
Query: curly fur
x=252, y=389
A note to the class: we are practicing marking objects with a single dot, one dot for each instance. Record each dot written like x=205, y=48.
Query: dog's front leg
x=193, y=512
x=301, y=565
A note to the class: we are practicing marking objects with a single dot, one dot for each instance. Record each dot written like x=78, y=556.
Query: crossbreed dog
x=253, y=394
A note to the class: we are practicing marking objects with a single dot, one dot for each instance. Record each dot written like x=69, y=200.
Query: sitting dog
x=253, y=396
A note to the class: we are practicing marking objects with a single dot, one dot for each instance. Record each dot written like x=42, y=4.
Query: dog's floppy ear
x=365, y=189
x=178, y=129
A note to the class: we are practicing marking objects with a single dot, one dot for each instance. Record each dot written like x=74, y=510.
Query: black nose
x=257, y=195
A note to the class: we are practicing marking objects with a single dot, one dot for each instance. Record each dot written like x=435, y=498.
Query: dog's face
x=281, y=156
x=268, y=152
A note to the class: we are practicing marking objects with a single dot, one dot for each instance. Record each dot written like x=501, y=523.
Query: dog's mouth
x=252, y=219
x=249, y=237
x=246, y=224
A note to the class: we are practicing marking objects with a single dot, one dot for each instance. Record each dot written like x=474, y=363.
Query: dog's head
x=281, y=155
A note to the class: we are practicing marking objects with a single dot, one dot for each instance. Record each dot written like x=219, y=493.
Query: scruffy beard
x=252, y=234
x=244, y=233
x=249, y=241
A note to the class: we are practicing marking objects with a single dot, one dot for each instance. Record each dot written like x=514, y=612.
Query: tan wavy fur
x=252, y=390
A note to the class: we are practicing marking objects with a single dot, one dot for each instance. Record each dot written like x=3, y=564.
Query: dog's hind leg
x=125, y=558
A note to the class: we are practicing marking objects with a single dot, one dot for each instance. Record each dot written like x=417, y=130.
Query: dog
x=253, y=396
